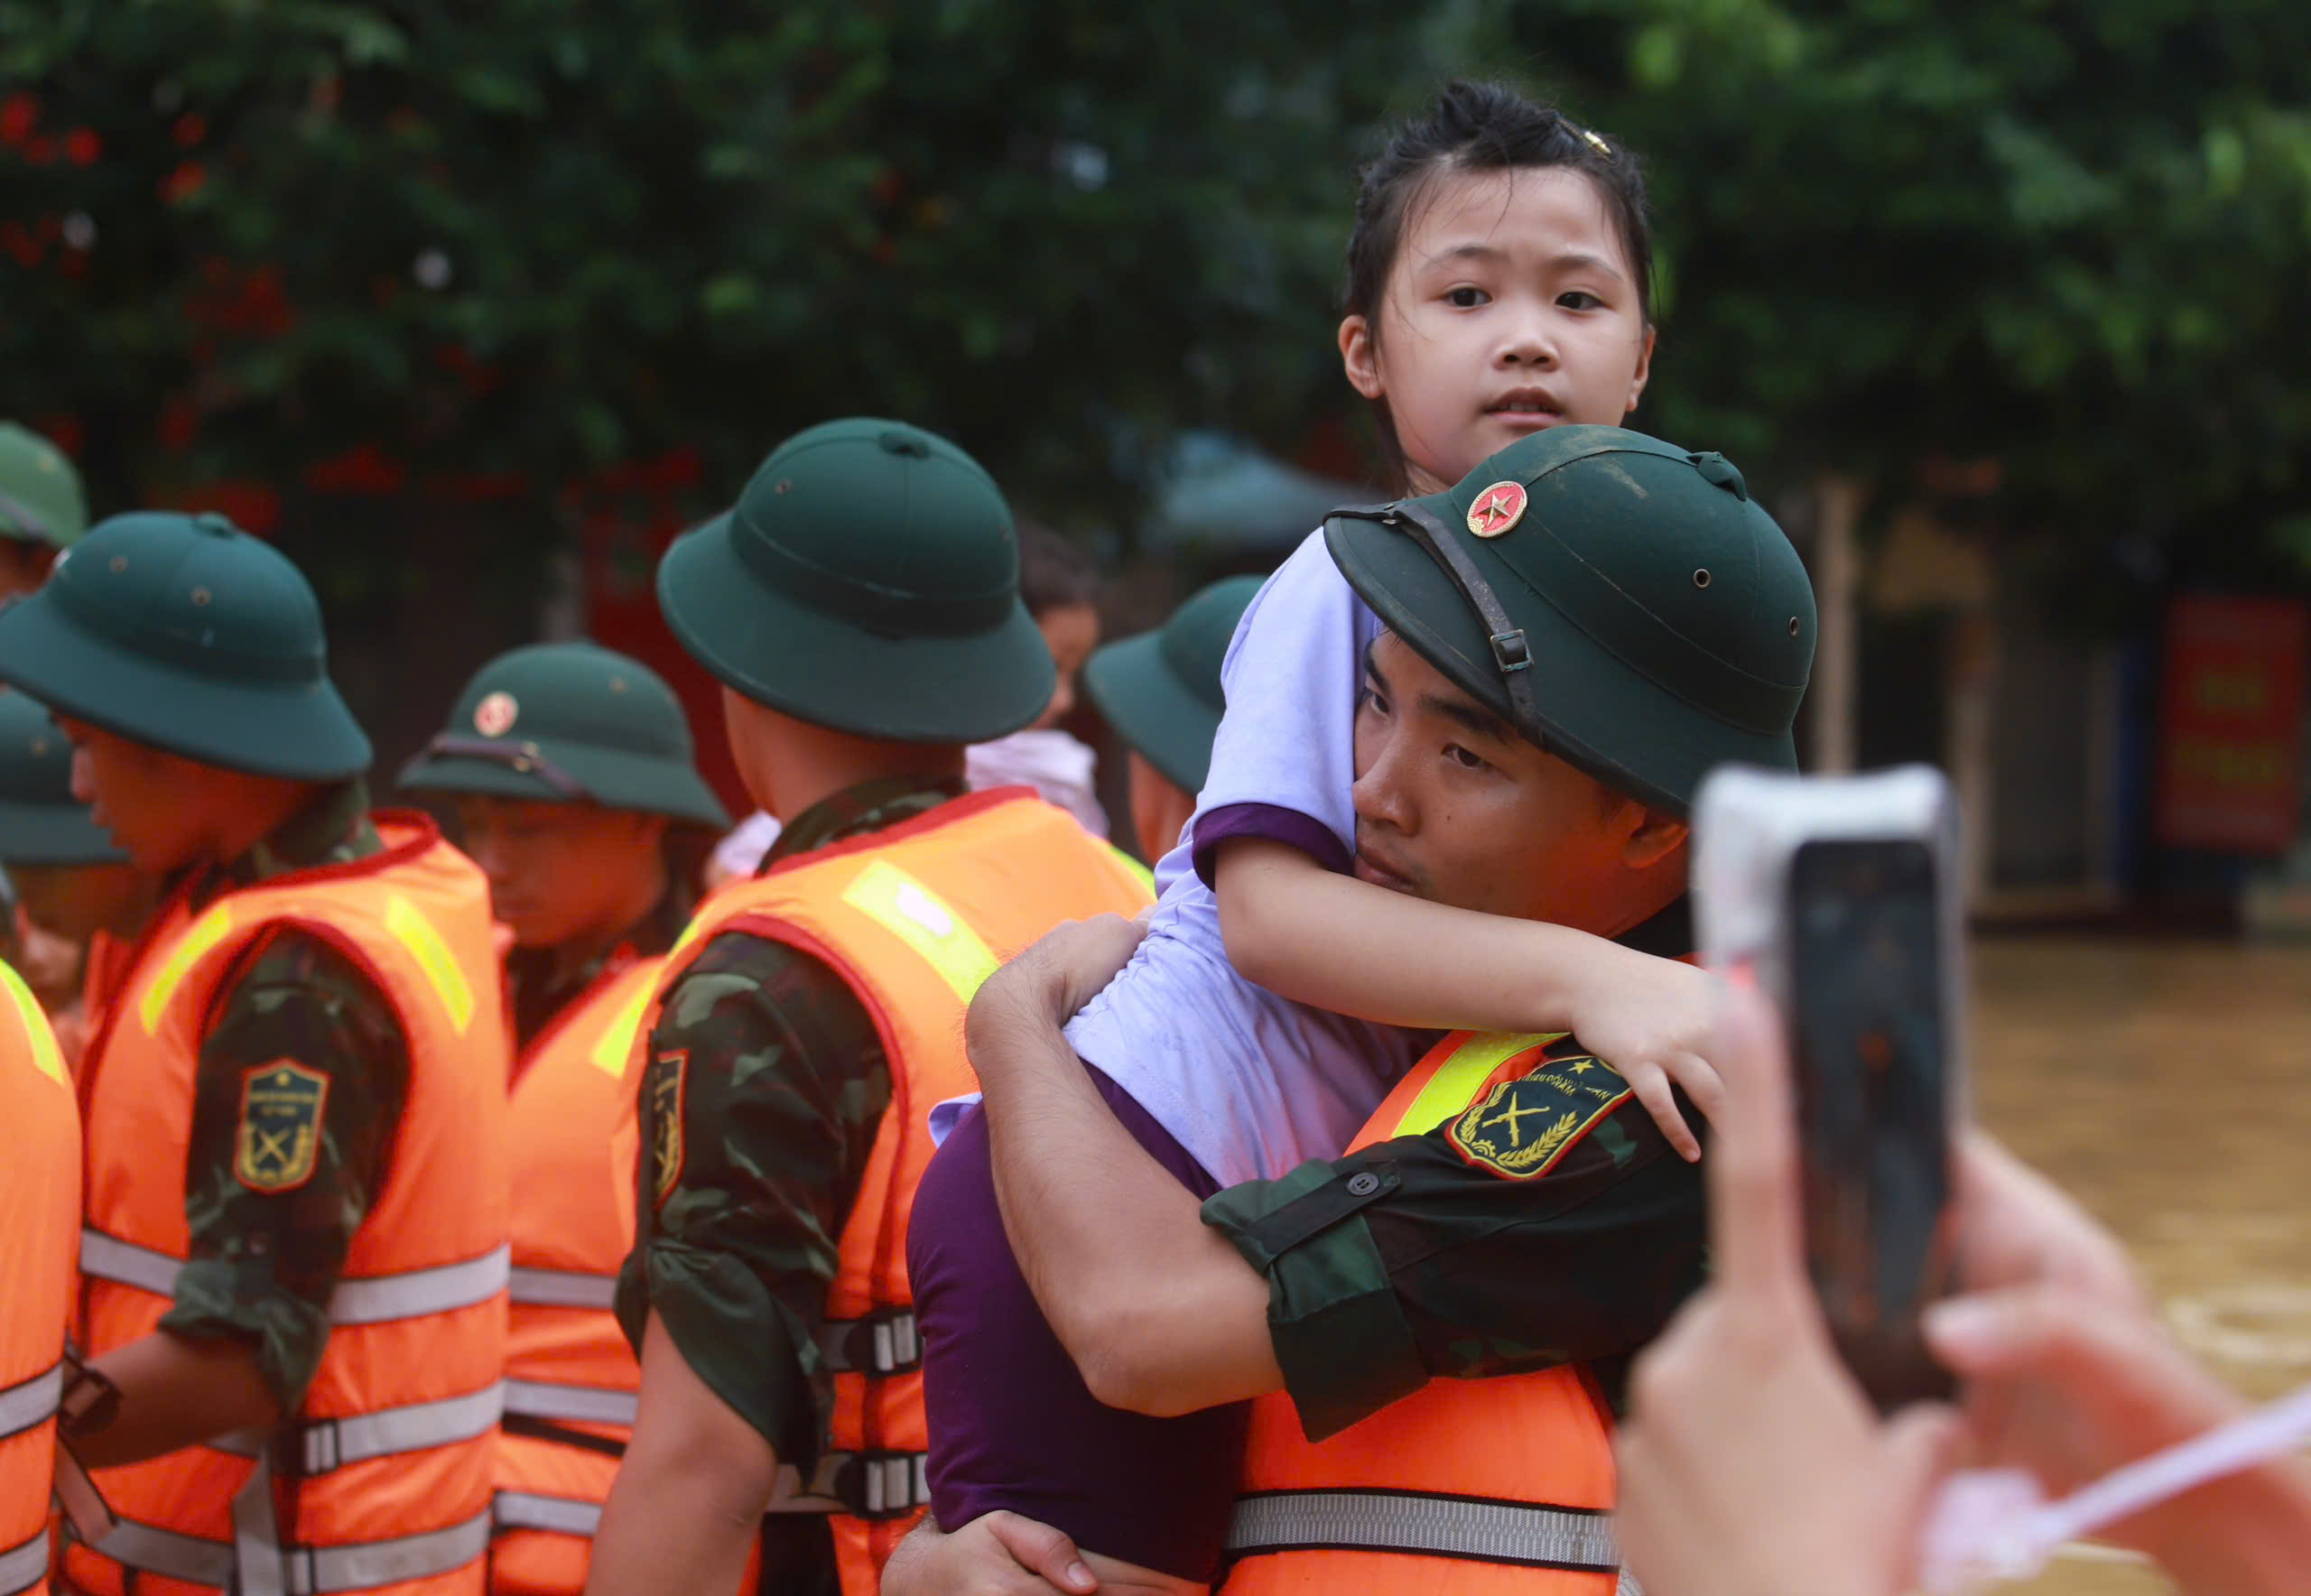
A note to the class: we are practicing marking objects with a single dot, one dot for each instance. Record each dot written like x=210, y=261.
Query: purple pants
x=1012, y=1424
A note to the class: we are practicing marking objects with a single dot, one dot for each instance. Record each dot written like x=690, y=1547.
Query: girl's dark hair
x=1481, y=127
x=1054, y=573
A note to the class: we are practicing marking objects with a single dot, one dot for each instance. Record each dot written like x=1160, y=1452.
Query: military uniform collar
x=537, y=1005
x=331, y=827
x=870, y=806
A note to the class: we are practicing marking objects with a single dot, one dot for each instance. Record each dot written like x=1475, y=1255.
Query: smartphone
x=1841, y=893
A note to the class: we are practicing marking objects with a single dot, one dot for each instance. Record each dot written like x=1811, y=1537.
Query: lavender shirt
x=1250, y=1084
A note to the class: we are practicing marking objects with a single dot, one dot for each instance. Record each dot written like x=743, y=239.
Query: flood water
x=2168, y=1088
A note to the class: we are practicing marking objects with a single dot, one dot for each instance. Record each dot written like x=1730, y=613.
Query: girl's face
x=1511, y=307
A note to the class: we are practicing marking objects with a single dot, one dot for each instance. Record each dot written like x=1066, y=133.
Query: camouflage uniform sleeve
x=300, y=1084
x=1441, y=1255
x=764, y=1089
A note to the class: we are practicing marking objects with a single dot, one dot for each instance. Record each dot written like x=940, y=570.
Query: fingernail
x=1079, y=1574
x=1963, y=1324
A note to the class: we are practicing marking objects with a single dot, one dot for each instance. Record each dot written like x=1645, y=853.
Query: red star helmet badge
x=494, y=716
x=1497, y=509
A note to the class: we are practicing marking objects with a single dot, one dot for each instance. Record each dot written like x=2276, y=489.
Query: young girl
x=1497, y=285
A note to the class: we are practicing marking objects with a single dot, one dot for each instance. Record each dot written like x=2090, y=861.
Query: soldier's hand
x=1070, y=965
x=995, y=1554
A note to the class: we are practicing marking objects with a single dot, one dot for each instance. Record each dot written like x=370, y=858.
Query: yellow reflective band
x=1138, y=871
x=913, y=913
x=1454, y=1085
x=616, y=1045
x=415, y=933
x=47, y=1058
x=203, y=934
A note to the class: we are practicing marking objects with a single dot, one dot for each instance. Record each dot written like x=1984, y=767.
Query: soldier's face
x=151, y=802
x=1452, y=805
x=559, y=872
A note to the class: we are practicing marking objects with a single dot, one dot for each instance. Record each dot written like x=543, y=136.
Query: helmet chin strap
x=1510, y=651
x=522, y=757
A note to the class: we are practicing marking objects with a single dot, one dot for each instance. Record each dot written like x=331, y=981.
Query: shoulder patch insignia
x=1524, y=1127
x=280, y=1135
x=667, y=1078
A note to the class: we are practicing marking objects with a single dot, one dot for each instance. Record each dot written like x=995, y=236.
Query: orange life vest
x=914, y=917
x=569, y=1376
x=39, y=1194
x=381, y=1479
x=1465, y=1488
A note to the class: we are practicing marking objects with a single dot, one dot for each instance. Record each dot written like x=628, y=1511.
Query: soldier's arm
x=1160, y=1314
x=273, y=1195
x=1455, y=1254
x=765, y=1086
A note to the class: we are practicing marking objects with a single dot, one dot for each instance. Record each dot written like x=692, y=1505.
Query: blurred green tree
x=503, y=255
x=2052, y=255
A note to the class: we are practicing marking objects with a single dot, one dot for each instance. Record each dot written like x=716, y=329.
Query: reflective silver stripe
x=1628, y=1586
x=589, y=1404
x=108, y=1258
x=31, y=1401
x=312, y=1571
x=332, y=1443
x=1483, y=1528
x=23, y=1566
x=564, y=1288
x=372, y=1300
x=420, y=1292
x=153, y=1550
x=523, y=1510
x=317, y=1571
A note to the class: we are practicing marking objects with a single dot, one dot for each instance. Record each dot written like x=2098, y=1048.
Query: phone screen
x=1871, y=1065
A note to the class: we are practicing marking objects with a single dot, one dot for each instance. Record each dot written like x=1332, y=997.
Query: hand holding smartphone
x=1841, y=893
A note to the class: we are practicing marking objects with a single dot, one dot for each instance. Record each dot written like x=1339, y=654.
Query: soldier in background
x=296, y=1219
x=42, y=511
x=576, y=791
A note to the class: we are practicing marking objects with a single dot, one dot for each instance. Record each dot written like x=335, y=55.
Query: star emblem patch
x=1497, y=509
x=494, y=715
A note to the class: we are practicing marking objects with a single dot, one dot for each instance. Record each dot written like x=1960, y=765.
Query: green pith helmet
x=188, y=635
x=39, y=492
x=868, y=579
x=570, y=723
x=41, y=823
x=1161, y=690
x=1648, y=620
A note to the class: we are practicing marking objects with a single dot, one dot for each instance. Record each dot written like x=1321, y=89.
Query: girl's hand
x=1650, y=1018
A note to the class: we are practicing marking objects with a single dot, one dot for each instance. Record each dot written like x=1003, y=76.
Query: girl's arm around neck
x=1335, y=943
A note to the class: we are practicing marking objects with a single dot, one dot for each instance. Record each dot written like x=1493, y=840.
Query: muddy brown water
x=2168, y=1088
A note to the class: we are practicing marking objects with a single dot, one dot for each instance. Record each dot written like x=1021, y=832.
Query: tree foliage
x=2054, y=251
x=483, y=252
x=503, y=256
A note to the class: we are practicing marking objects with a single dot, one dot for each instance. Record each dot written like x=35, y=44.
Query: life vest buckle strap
x=874, y=1485
x=1484, y=1529
x=881, y=1343
x=29, y=1404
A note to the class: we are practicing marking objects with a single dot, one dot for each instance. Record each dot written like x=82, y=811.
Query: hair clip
x=1595, y=142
